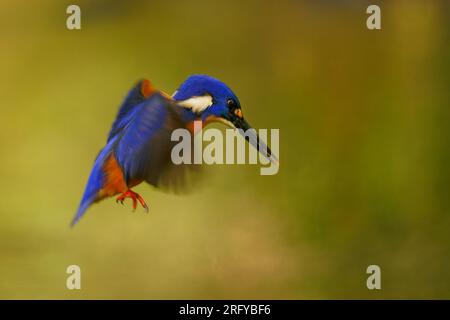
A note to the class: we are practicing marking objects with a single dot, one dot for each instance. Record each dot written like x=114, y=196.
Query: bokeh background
x=365, y=150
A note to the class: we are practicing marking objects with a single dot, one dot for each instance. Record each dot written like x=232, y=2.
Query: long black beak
x=250, y=134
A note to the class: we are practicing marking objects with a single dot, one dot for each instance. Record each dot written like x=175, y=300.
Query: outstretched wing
x=141, y=91
x=144, y=146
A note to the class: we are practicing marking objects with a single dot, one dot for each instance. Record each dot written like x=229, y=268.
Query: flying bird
x=138, y=146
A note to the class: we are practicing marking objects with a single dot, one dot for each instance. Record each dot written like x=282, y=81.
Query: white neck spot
x=197, y=104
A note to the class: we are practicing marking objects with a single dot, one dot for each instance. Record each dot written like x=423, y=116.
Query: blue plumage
x=95, y=181
x=134, y=97
x=199, y=85
x=139, y=142
x=143, y=149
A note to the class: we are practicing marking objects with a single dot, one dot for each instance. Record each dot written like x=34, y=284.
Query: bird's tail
x=92, y=189
x=95, y=182
x=84, y=205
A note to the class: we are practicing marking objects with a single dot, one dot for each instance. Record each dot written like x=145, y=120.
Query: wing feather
x=144, y=146
x=141, y=91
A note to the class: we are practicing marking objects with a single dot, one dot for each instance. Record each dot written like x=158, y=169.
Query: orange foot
x=135, y=197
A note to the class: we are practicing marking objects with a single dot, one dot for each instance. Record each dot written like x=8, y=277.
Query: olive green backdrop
x=365, y=150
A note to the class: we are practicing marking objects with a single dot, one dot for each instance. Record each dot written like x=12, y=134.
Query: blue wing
x=140, y=141
x=135, y=97
x=144, y=146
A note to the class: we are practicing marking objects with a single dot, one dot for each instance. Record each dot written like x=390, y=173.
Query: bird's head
x=213, y=101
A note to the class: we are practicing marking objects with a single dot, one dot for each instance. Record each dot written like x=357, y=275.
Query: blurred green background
x=365, y=150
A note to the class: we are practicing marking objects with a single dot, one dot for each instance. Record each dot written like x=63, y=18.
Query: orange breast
x=114, y=179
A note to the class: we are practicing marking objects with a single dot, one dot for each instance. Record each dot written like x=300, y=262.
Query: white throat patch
x=197, y=104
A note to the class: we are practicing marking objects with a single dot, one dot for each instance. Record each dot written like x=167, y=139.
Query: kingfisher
x=138, y=146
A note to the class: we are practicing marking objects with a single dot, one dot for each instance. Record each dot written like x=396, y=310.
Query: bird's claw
x=135, y=197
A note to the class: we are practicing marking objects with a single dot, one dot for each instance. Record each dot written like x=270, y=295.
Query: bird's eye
x=231, y=103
